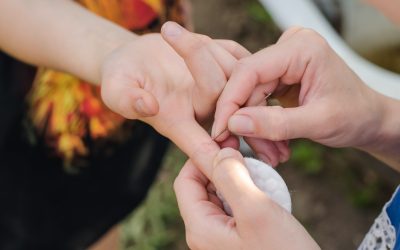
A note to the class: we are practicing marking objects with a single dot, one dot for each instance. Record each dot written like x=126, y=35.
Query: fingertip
x=219, y=131
x=171, y=30
x=230, y=142
x=227, y=153
x=284, y=151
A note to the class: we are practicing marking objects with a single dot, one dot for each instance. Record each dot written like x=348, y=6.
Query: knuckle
x=198, y=44
x=292, y=30
x=205, y=148
x=214, y=90
x=196, y=47
x=242, y=65
x=233, y=46
x=220, y=104
x=315, y=42
x=245, y=70
x=205, y=39
x=279, y=125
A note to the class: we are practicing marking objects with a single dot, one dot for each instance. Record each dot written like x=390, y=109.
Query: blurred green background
x=336, y=193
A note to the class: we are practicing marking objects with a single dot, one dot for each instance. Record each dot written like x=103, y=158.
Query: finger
x=208, y=63
x=190, y=188
x=234, y=48
x=265, y=150
x=131, y=101
x=276, y=123
x=231, y=142
x=260, y=94
x=289, y=33
x=199, y=212
x=232, y=179
x=268, y=151
x=284, y=150
x=195, y=142
x=285, y=62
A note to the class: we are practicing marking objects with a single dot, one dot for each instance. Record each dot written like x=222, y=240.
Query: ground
x=336, y=194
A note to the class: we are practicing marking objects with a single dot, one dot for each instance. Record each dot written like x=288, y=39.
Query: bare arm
x=59, y=34
x=386, y=146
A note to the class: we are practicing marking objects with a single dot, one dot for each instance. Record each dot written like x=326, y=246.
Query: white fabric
x=381, y=236
x=287, y=13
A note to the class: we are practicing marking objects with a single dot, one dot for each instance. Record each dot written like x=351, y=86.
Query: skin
x=141, y=77
x=258, y=222
x=390, y=9
x=334, y=108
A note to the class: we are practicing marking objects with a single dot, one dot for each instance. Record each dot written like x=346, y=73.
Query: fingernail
x=222, y=136
x=241, y=124
x=141, y=107
x=172, y=29
x=224, y=154
x=216, y=132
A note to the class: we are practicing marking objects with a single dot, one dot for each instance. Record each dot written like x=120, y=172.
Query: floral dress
x=66, y=112
x=70, y=169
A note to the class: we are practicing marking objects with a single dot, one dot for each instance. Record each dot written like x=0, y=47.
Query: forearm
x=386, y=145
x=58, y=34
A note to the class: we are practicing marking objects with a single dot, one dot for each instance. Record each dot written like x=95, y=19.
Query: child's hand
x=257, y=222
x=147, y=80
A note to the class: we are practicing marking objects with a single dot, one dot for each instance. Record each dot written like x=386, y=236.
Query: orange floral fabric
x=67, y=112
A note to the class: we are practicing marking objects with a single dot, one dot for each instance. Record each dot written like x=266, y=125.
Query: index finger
x=282, y=63
x=265, y=66
x=194, y=141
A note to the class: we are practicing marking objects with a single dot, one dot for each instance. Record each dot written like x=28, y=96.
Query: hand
x=335, y=107
x=147, y=80
x=258, y=222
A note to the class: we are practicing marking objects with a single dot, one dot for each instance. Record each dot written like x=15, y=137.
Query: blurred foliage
x=258, y=12
x=307, y=156
x=364, y=187
x=156, y=224
x=366, y=196
x=348, y=169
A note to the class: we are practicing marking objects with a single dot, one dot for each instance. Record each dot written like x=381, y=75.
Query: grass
x=156, y=224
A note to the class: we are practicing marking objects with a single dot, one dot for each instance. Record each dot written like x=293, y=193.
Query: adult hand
x=198, y=58
x=335, y=107
x=257, y=222
x=147, y=80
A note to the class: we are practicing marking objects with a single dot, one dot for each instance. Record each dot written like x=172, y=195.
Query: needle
x=223, y=131
x=267, y=95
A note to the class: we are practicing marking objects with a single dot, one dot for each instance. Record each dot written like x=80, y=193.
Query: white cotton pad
x=267, y=180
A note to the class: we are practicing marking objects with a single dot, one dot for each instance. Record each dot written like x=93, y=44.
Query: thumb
x=276, y=123
x=208, y=63
x=233, y=181
x=132, y=101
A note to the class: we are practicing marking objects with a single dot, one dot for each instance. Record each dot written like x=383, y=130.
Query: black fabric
x=42, y=206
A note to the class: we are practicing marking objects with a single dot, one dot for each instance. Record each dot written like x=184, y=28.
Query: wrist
x=385, y=144
x=105, y=44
